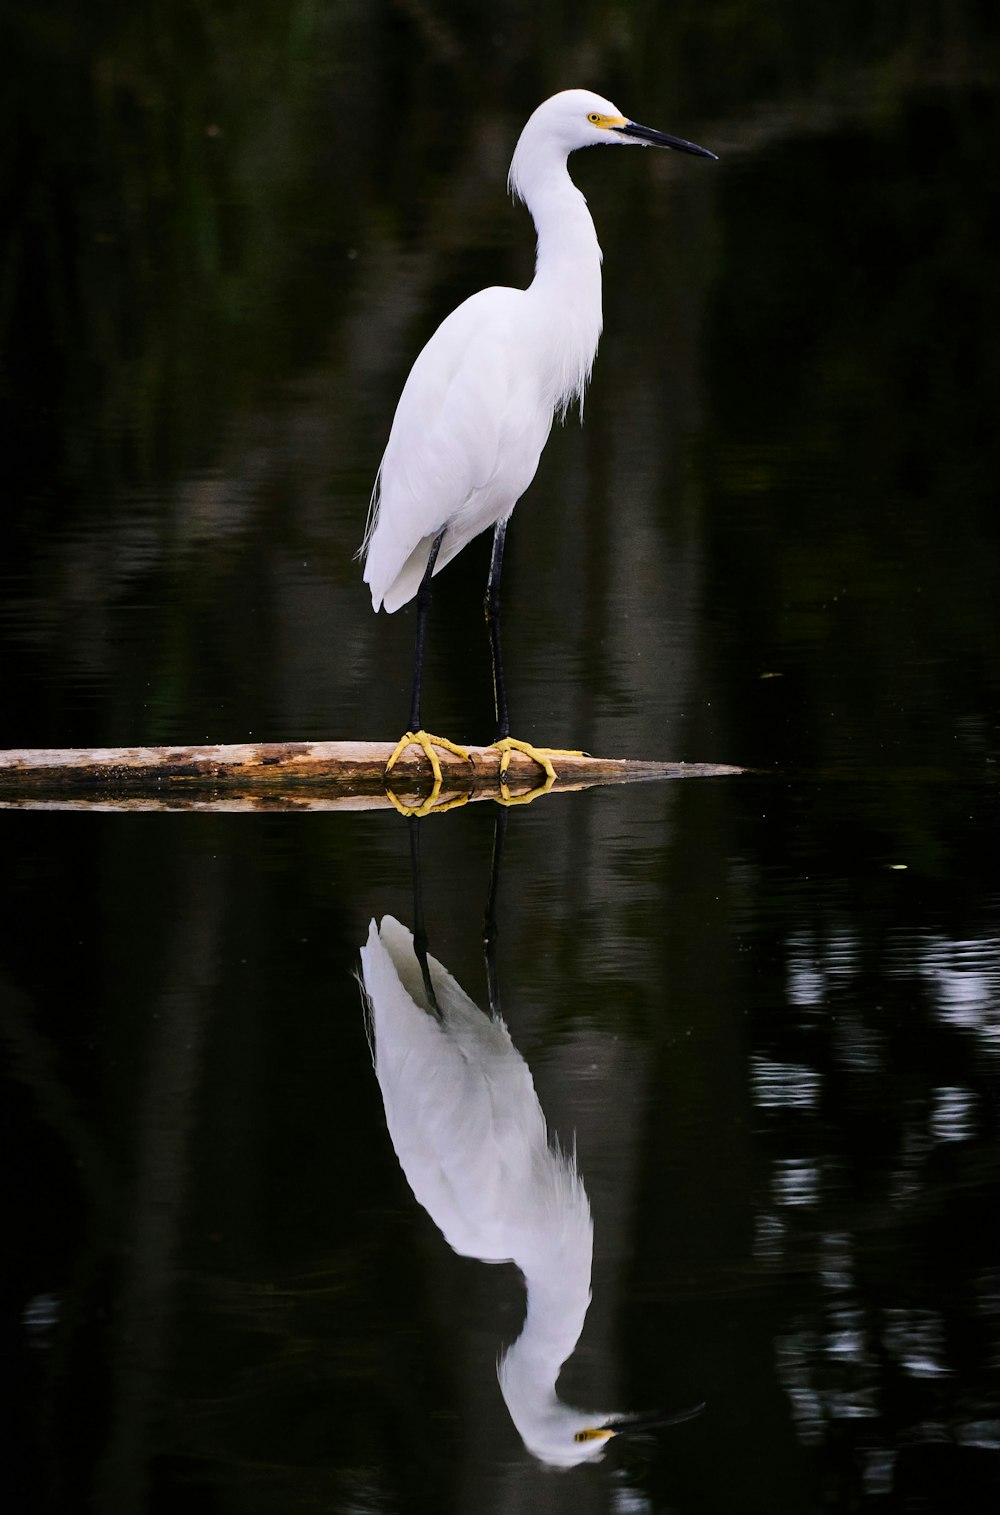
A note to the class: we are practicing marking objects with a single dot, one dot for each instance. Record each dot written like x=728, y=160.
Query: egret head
x=559, y=1435
x=562, y=1437
x=578, y=118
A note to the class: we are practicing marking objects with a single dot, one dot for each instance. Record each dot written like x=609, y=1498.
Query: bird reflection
x=473, y=1144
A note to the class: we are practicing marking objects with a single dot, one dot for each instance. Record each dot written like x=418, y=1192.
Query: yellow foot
x=430, y=805
x=541, y=755
x=426, y=743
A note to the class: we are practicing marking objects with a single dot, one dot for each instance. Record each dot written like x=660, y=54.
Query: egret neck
x=566, y=289
x=557, y=1286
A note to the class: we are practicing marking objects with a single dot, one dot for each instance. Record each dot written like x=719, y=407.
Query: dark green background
x=769, y=1008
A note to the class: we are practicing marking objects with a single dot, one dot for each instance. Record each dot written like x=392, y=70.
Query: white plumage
x=478, y=405
x=469, y=430
x=471, y=1139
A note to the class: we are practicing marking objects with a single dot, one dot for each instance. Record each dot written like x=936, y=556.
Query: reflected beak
x=650, y=137
x=594, y=1433
x=653, y=1420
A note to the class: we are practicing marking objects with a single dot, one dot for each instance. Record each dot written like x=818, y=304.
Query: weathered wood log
x=292, y=775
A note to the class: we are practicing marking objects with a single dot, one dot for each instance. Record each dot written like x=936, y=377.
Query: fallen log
x=292, y=775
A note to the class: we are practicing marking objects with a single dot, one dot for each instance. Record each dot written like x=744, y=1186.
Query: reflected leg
x=419, y=927
x=490, y=915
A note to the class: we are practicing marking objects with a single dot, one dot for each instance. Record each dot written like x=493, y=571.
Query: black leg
x=492, y=606
x=490, y=917
x=423, y=605
x=419, y=928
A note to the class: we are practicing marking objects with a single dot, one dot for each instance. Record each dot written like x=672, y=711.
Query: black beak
x=653, y=1420
x=650, y=135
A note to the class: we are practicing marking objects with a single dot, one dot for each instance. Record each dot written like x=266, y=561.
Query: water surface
x=764, y=1012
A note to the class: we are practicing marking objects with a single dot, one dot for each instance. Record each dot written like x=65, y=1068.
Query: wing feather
x=465, y=442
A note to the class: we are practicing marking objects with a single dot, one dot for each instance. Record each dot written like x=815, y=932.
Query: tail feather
x=372, y=519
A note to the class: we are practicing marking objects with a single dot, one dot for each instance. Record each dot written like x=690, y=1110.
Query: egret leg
x=419, y=927
x=505, y=743
x=492, y=608
x=416, y=736
x=423, y=606
x=490, y=914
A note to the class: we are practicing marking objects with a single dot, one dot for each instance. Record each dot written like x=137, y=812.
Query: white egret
x=471, y=1139
x=480, y=399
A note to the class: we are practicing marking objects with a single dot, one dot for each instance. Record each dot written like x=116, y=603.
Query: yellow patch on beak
x=593, y=1433
x=606, y=122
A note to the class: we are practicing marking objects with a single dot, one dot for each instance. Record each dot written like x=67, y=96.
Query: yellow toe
x=427, y=743
x=541, y=755
x=429, y=806
x=506, y=798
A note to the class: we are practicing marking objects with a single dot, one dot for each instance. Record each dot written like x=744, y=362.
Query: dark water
x=766, y=1010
